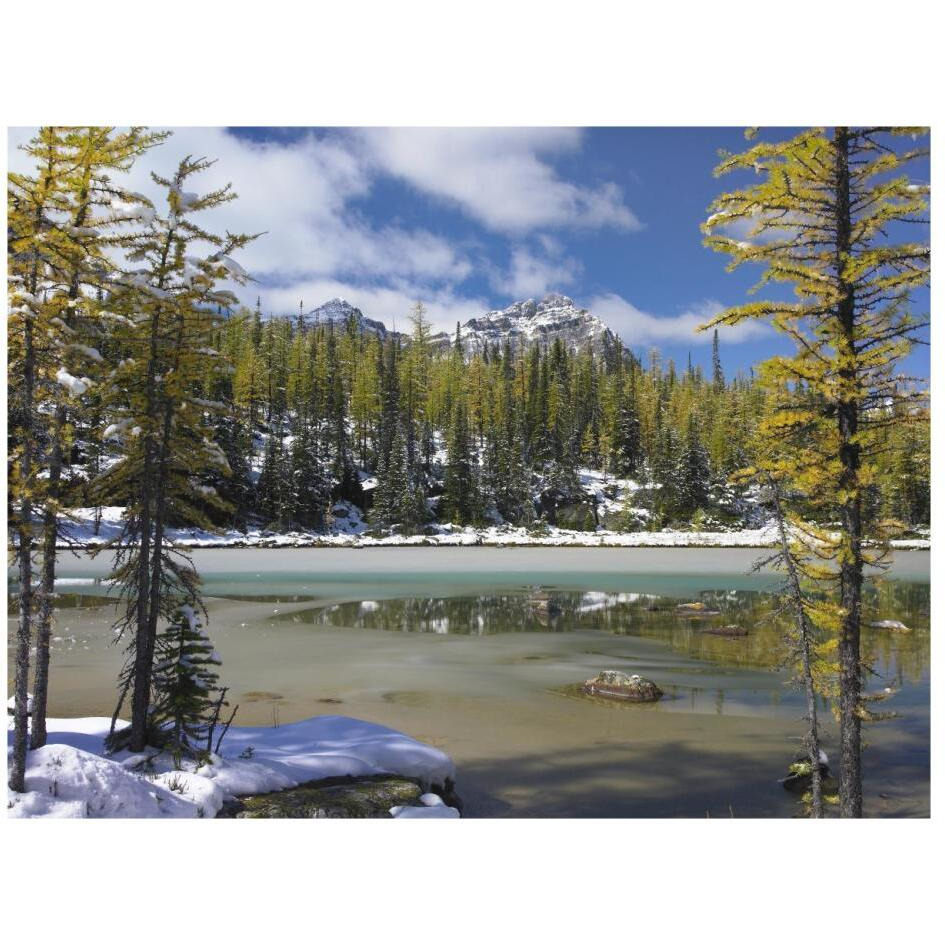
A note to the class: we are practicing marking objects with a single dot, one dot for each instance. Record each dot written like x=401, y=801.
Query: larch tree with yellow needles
x=166, y=311
x=91, y=214
x=828, y=213
x=62, y=218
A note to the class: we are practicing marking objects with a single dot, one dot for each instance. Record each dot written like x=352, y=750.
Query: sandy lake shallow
x=451, y=646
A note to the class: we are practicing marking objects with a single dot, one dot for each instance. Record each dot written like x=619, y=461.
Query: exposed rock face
x=555, y=316
x=339, y=312
x=617, y=685
x=730, y=630
x=522, y=323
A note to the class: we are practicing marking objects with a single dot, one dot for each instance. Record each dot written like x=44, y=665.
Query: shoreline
x=83, y=530
x=590, y=540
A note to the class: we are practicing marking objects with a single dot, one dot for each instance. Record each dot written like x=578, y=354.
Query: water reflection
x=544, y=609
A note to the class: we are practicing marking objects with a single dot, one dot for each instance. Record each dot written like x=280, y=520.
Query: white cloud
x=637, y=327
x=497, y=175
x=531, y=275
x=299, y=193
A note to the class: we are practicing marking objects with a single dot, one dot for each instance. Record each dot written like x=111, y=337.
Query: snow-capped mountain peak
x=339, y=311
x=522, y=323
x=555, y=316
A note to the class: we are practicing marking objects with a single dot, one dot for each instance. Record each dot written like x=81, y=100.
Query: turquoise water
x=478, y=651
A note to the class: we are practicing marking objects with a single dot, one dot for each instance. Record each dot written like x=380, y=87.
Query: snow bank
x=334, y=745
x=62, y=781
x=350, y=532
x=70, y=777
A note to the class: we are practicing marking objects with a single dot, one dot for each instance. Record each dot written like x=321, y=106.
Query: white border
x=505, y=63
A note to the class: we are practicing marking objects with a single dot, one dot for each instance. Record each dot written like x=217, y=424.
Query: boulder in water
x=696, y=609
x=617, y=685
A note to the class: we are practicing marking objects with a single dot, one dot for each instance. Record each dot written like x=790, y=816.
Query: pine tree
x=460, y=502
x=168, y=320
x=273, y=487
x=24, y=316
x=91, y=205
x=310, y=490
x=692, y=479
x=627, y=442
x=718, y=375
x=232, y=433
x=819, y=216
x=391, y=495
x=667, y=488
x=55, y=262
x=185, y=687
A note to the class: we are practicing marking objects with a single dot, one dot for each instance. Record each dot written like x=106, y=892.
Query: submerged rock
x=729, y=630
x=363, y=797
x=895, y=625
x=696, y=609
x=618, y=685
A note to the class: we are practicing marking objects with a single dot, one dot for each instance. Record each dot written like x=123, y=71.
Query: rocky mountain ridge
x=522, y=323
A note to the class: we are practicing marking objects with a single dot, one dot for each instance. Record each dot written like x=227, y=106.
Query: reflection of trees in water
x=897, y=657
x=651, y=616
x=492, y=613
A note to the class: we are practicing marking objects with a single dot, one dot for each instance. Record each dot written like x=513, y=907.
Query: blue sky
x=472, y=219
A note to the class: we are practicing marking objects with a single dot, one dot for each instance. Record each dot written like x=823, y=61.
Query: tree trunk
x=155, y=566
x=144, y=642
x=47, y=585
x=802, y=625
x=146, y=629
x=144, y=645
x=25, y=560
x=851, y=562
x=50, y=513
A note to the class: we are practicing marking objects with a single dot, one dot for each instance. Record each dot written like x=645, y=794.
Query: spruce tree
x=310, y=489
x=692, y=480
x=185, y=688
x=460, y=503
x=391, y=495
x=627, y=445
x=718, y=375
x=273, y=499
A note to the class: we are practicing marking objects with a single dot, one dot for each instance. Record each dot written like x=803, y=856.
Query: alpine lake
x=481, y=652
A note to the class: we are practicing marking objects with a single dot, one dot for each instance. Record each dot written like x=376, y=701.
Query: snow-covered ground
x=349, y=531
x=72, y=777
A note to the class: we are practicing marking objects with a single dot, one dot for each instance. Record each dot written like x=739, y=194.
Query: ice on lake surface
x=477, y=650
